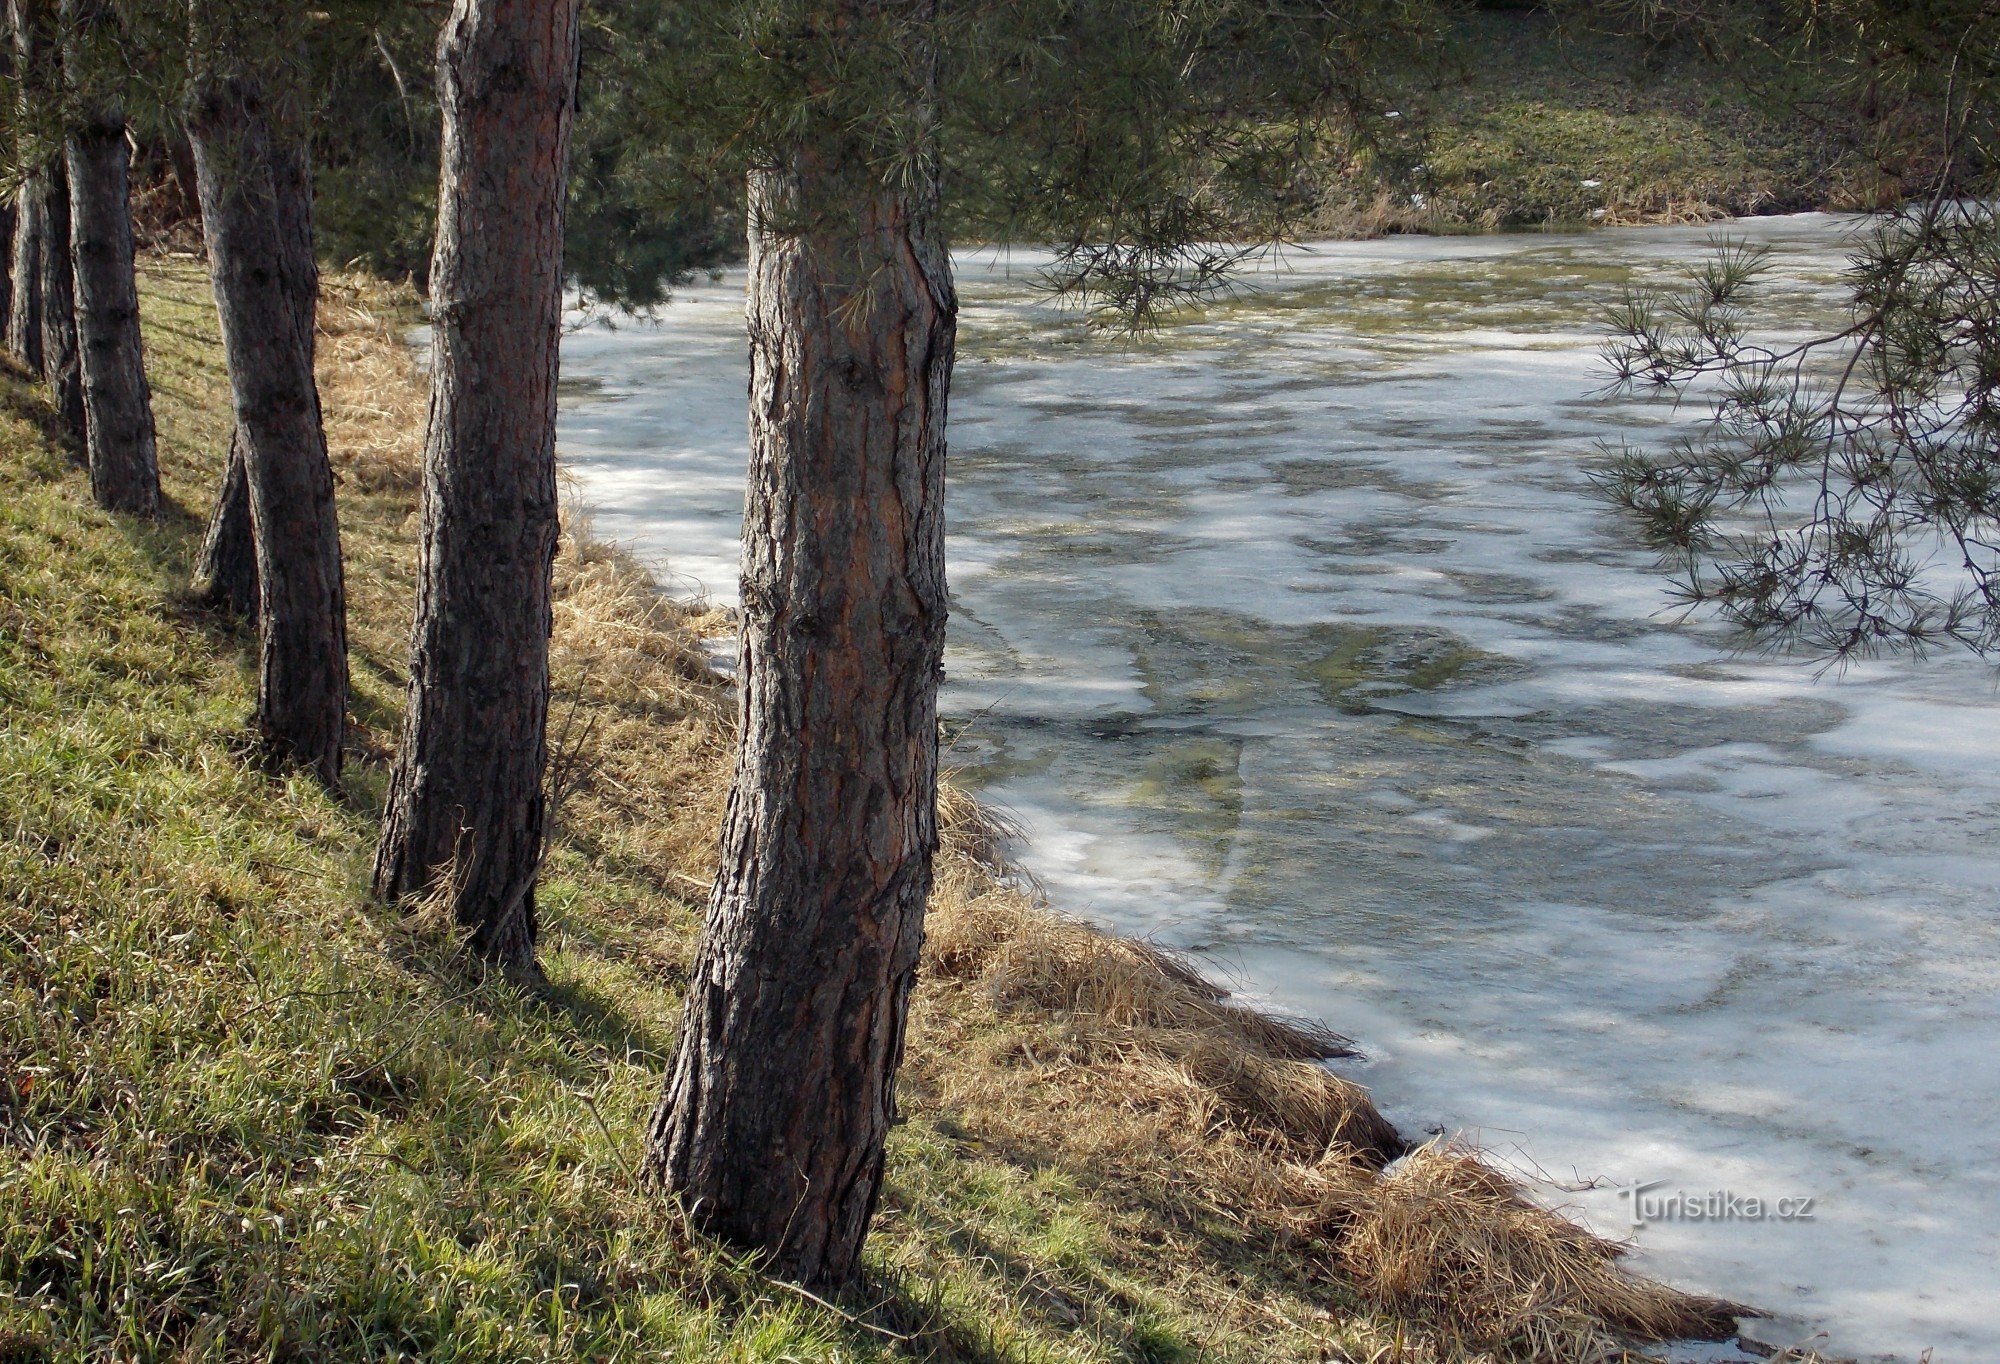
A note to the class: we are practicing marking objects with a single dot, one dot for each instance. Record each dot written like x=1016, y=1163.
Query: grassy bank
x=245, y=1114
x=1526, y=121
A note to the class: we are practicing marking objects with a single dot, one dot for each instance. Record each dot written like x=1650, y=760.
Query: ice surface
x=1294, y=638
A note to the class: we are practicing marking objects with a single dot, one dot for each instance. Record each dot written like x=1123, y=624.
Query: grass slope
x=1525, y=121
x=244, y=1114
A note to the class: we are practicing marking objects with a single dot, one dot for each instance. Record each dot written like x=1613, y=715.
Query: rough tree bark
x=9, y=217
x=9, y=212
x=466, y=806
x=41, y=329
x=118, y=408
x=226, y=571
x=62, y=361
x=772, y=1127
x=266, y=282
x=24, y=313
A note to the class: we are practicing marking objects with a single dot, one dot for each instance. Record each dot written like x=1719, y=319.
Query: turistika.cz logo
x=1643, y=1205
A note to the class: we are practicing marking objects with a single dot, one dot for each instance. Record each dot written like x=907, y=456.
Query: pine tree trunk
x=9, y=212
x=31, y=233
x=41, y=332
x=466, y=805
x=118, y=408
x=24, y=312
x=225, y=574
x=772, y=1128
x=9, y=220
x=62, y=363
x=265, y=283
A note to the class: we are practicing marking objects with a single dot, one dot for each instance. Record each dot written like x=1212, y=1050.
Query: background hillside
x=1528, y=117
x=1517, y=116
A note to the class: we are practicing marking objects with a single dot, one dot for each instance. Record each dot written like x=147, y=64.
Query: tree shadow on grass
x=163, y=540
x=597, y=1018
x=1218, y=1274
x=22, y=395
x=1094, y=1307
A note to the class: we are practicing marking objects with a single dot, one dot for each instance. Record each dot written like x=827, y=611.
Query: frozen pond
x=1294, y=638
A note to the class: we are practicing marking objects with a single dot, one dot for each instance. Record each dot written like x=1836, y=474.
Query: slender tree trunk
x=41, y=331
x=9, y=212
x=265, y=283
x=465, y=801
x=24, y=315
x=24, y=311
x=226, y=572
x=9, y=220
x=118, y=408
x=62, y=362
x=772, y=1127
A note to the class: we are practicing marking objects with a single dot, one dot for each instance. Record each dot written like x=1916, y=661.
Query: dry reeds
x=1659, y=210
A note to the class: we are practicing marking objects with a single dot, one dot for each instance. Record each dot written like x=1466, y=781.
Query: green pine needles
x=1153, y=146
x=1841, y=495
x=1840, y=498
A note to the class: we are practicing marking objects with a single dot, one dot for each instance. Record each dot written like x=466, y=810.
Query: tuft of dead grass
x=1130, y=1011
x=1446, y=1239
x=1660, y=209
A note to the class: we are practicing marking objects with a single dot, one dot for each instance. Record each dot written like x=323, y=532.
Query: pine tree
x=41, y=328
x=118, y=407
x=1839, y=499
x=1133, y=136
x=245, y=125
x=782, y=1092
x=466, y=808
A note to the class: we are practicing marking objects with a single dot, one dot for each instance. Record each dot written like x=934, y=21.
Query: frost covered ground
x=1294, y=638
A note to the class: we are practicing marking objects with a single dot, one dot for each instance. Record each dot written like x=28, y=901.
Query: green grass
x=1527, y=122
x=241, y=1115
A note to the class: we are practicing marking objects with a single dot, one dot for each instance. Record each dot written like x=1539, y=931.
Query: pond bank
x=1293, y=639
x=1526, y=121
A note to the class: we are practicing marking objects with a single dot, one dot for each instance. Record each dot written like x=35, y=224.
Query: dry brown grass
x=1141, y=1028
x=1385, y=214
x=1379, y=214
x=1059, y=1040
x=1225, y=1161
x=641, y=732
x=371, y=383
x=1660, y=210
x=1448, y=1240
